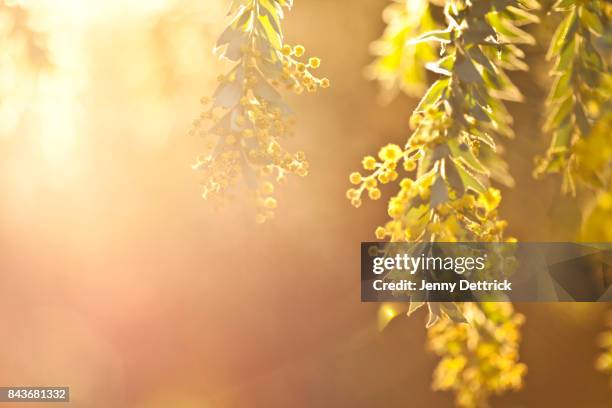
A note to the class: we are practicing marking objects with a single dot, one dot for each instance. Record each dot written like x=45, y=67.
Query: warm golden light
x=118, y=280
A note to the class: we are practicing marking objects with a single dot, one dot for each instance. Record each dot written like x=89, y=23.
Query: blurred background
x=119, y=281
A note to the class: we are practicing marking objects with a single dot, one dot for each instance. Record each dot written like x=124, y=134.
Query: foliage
x=580, y=94
x=246, y=120
x=399, y=63
x=579, y=118
x=452, y=152
x=479, y=358
x=449, y=162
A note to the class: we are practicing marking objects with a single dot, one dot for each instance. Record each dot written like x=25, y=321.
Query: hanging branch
x=453, y=152
x=450, y=160
x=246, y=120
x=580, y=94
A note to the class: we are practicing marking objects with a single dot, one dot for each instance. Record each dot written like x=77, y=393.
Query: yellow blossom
x=390, y=152
x=490, y=199
x=374, y=193
x=369, y=163
x=355, y=178
x=299, y=50
x=314, y=62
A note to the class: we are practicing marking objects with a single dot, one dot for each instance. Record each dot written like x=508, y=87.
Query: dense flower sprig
x=452, y=153
x=449, y=160
x=246, y=119
x=581, y=91
x=479, y=358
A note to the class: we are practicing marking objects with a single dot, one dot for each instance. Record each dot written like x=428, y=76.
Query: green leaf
x=414, y=306
x=591, y=20
x=566, y=59
x=478, y=32
x=443, y=66
x=464, y=154
x=502, y=87
x=591, y=57
x=486, y=139
x=522, y=16
x=508, y=31
x=264, y=90
x=581, y=119
x=268, y=30
x=452, y=177
x=560, y=38
x=477, y=55
x=589, y=76
x=228, y=94
x=562, y=137
x=439, y=193
x=466, y=71
x=285, y=3
x=470, y=181
x=561, y=87
x=560, y=113
x=563, y=5
x=433, y=94
x=227, y=36
x=498, y=168
x=442, y=36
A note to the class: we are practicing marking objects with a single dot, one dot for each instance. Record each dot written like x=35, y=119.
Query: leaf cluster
x=581, y=91
x=453, y=152
x=246, y=120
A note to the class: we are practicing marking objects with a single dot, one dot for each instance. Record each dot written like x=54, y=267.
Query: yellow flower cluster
x=383, y=172
x=297, y=75
x=248, y=147
x=445, y=169
x=604, y=361
x=459, y=218
x=481, y=357
x=246, y=120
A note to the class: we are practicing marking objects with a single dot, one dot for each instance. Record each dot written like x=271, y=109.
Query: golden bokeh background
x=119, y=281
